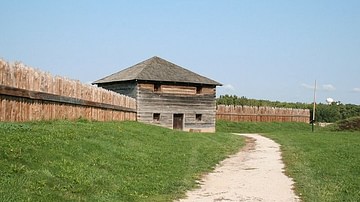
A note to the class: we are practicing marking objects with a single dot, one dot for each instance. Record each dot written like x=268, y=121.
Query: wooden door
x=178, y=121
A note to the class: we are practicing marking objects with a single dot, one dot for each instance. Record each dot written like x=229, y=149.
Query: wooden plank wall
x=261, y=114
x=172, y=99
x=182, y=90
x=124, y=88
x=27, y=94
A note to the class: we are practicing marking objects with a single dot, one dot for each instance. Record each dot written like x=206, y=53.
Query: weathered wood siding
x=262, y=114
x=182, y=90
x=124, y=88
x=27, y=94
x=174, y=99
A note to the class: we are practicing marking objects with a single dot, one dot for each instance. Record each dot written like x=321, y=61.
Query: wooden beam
x=36, y=95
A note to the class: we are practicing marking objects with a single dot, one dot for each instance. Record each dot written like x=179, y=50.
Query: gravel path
x=253, y=174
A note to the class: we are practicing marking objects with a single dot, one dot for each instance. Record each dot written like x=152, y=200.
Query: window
x=198, y=117
x=156, y=117
x=157, y=87
x=198, y=90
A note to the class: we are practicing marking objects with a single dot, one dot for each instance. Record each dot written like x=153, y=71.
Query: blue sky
x=260, y=49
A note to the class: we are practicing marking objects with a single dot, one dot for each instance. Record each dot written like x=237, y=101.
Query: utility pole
x=314, y=108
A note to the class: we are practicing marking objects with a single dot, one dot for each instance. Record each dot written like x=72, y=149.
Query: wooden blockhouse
x=167, y=94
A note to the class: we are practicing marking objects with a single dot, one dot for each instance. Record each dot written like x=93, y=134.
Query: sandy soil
x=253, y=174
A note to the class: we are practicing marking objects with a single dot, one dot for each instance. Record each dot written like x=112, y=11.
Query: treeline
x=323, y=113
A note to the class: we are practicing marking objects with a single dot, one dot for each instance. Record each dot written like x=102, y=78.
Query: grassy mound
x=112, y=161
x=350, y=124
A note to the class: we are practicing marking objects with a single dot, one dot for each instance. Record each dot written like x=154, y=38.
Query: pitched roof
x=157, y=69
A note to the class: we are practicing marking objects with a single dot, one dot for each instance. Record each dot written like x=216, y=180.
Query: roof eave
x=144, y=80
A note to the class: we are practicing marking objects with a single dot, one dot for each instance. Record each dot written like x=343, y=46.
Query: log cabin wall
x=124, y=88
x=157, y=103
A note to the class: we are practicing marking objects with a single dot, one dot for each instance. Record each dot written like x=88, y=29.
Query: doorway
x=178, y=121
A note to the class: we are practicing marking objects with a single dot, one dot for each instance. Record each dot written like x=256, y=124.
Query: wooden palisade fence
x=27, y=94
x=261, y=114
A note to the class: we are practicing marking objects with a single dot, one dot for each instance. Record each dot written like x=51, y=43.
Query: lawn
x=111, y=161
x=130, y=161
x=324, y=164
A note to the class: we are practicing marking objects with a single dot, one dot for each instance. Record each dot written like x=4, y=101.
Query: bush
x=350, y=124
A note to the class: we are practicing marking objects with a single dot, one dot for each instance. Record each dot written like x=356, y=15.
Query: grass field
x=325, y=164
x=130, y=161
x=93, y=161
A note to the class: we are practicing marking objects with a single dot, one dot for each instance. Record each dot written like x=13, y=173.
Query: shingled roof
x=157, y=69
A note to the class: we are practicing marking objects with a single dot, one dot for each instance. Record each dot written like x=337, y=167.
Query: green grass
x=325, y=164
x=112, y=161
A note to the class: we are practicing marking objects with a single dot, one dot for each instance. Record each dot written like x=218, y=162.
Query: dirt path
x=253, y=174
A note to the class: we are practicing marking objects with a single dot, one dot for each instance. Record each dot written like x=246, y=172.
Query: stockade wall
x=261, y=114
x=27, y=94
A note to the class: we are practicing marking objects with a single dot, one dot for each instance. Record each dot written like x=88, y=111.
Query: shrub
x=350, y=124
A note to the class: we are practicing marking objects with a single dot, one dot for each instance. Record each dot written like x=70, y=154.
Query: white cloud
x=325, y=87
x=356, y=90
x=229, y=87
x=328, y=87
x=307, y=86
